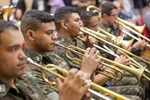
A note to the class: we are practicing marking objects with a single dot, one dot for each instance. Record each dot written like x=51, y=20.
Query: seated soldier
x=91, y=20
x=109, y=15
x=38, y=29
x=13, y=63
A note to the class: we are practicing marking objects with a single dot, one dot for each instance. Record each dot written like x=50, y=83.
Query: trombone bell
x=126, y=43
x=5, y=12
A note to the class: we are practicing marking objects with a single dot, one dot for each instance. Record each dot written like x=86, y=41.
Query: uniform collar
x=5, y=88
x=66, y=41
x=33, y=55
x=103, y=25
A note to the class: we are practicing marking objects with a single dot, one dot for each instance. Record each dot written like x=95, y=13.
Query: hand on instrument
x=74, y=86
x=123, y=60
x=139, y=44
x=90, y=41
x=101, y=67
x=90, y=60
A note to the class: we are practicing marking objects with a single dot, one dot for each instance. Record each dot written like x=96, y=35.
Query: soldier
x=91, y=20
x=68, y=25
x=38, y=29
x=109, y=15
x=13, y=63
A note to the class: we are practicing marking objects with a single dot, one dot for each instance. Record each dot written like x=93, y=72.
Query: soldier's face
x=12, y=58
x=45, y=37
x=113, y=17
x=93, y=23
x=73, y=25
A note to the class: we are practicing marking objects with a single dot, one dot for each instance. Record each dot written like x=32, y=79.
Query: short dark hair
x=5, y=25
x=107, y=7
x=63, y=13
x=147, y=2
x=33, y=19
x=86, y=16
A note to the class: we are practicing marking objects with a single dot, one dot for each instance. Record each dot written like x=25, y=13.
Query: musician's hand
x=73, y=87
x=139, y=44
x=90, y=41
x=90, y=60
x=123, y=60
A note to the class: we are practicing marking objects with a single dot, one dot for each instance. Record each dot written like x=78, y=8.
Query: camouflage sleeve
x=38, y=88
x=61, y=52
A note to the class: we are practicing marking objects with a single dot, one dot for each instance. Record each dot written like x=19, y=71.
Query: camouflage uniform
x=21, y=92
x=33, y=76
x=115, y=32
x=125, y=90
x=130, y=80
x=60, y=51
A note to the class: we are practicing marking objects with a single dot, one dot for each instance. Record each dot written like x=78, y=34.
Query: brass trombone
x=98, y=37
x=50, y=67
x=5, y=12
x=115, y=55
x=113, y=39
x=138, y=73
x=138, y=29
x=124, y=45
x=122, y=50
x=129, y=26
x=78, y=62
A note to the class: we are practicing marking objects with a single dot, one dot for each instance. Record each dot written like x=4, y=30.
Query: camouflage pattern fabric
x=32, y=76
x=61, y=51
x=129, y=79
x=129, y=90
x=21, y=92
x=114, y=32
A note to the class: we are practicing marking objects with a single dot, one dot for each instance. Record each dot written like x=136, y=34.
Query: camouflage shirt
x=61, y=51
x=112, y=31
x=21, y=92
x=32, y=76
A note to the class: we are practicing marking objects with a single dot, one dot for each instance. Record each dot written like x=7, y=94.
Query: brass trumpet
x=138, y=73
x=94, y=86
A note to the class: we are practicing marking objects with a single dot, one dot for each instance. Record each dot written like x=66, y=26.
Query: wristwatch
x=133, y=49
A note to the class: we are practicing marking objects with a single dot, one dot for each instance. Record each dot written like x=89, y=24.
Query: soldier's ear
x=64, y=24
x=30, y=35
